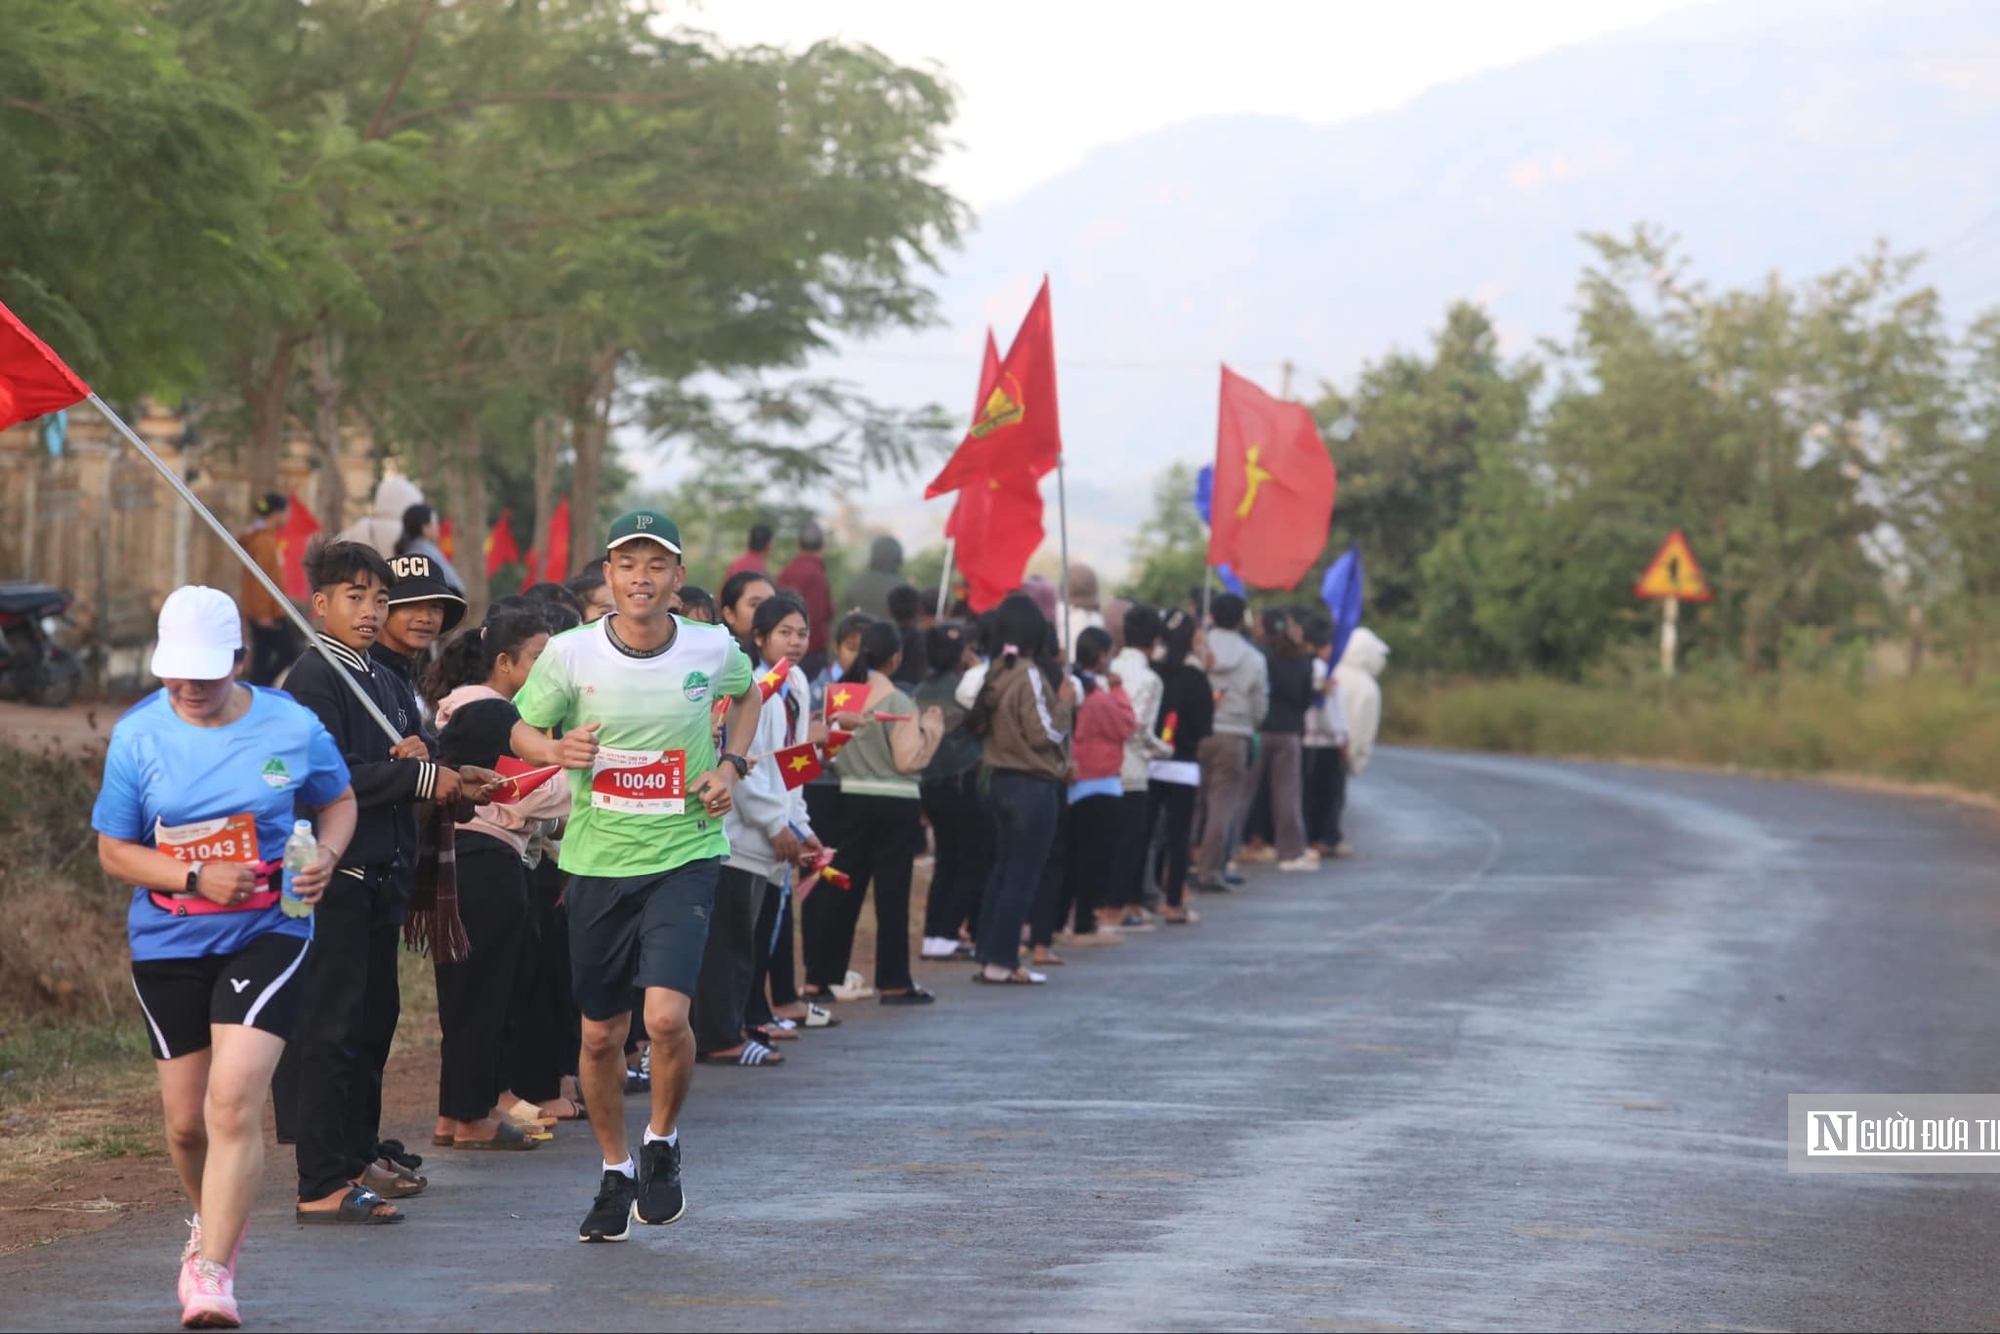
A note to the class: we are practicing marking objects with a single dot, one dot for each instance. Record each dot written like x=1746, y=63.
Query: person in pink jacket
x=1105, y=720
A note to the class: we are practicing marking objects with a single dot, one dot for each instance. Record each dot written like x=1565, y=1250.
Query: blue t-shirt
x=161, y=772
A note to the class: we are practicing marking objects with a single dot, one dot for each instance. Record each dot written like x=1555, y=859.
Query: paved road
x=1521, y=1065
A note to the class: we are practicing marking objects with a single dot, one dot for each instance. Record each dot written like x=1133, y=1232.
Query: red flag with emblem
x=798, y=764
x=996, y=523
x=1274, y=486
x=500, y=548
x=771, y=682
x=297, y=531
x=33, y=380
x=557, y=568
x=1017, y=427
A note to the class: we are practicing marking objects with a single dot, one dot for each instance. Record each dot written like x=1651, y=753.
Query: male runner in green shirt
x=633, y=694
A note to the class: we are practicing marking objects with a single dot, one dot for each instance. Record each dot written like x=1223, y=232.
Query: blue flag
x=1340, y=590
x=1204, y=501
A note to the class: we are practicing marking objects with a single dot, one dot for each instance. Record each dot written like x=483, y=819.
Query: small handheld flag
x=773, y=681
x=835, y=739
x=821, y=869
x=1167, y=728
x=799, y=765
x=845, y=698
x=522, y=778
x=891, y=717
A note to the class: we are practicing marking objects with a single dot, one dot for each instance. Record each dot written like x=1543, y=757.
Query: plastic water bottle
x=301, y=852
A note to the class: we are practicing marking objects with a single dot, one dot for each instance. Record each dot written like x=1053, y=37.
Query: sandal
x=769, y=1033
x=357, y=1206
x=1020, y=977
x=750, y=1053
x=508, y=1138
x=389, y=1183
x=819, y=1017
x=916, y=995
x=573, y=1110
x=1181, y=917
x=523, y=1112
x=397, y=1156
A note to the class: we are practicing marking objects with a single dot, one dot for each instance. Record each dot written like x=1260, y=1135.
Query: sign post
x=1672, y=577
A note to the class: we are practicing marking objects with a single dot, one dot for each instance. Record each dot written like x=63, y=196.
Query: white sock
x=672, y=1137
x=628, y=1167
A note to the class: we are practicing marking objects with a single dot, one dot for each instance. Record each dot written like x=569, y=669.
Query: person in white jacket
x=1133, y=669
x=382, y=526
x=1361, y=662
x=770, y=835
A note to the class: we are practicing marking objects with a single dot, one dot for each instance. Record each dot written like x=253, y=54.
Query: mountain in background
x=1769, y=135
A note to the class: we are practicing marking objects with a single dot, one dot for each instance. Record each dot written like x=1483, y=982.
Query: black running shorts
x=259, y=987
x=638, y=931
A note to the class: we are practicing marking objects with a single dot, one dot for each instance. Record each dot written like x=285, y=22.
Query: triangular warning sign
x=1673, y=573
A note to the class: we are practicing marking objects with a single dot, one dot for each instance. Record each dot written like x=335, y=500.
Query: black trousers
x=1051, y=903
x=728, y=961
x=1095, y=843
x=482, y=999
x=877, y=847
x=545, y=1041
x=1132, y=834
x=775, y=981
x=1326, y=794
x=962, y=828
x=346, y=1024
x=1172, y=821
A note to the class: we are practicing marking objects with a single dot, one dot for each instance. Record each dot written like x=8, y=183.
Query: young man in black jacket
x=352, y=1001
x=422, y=609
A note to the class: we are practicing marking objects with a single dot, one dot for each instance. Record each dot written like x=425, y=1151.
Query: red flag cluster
x=1274, y=487
x=1014, y=442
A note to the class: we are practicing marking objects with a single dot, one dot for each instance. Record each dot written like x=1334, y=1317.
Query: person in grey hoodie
x=869, y=590
x=1242, y=682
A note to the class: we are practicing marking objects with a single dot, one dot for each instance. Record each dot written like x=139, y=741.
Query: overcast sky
x=1043, y=82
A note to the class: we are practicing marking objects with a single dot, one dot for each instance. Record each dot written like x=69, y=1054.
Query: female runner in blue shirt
x=202, y=783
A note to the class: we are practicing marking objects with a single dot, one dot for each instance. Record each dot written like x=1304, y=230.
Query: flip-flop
x=577, y=1111
x=1020, y=977
x=818, y=1017
x=508, y=1138
x=753, y=1053
x=357, y=1208
x=523, y=1112
x=914, y=996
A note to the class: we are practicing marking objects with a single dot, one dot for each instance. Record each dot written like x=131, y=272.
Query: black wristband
x=742, y=765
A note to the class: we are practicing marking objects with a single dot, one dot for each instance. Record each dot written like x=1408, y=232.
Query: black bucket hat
x=417, y=580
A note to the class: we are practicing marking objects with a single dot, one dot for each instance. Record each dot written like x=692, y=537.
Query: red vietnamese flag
x=1168, y=727
x=33, y=380
x=1017, y=426
x=557, y=568
x=996, y=524
x=835, y=739
x=845, y=698
x=1273, y=487
x=522, y=778
x=299, y=527
x=500, y=548
x=773, y=681
x=798, y=764
x=448, y=539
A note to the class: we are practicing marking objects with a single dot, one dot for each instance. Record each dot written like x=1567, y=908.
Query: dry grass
x=1927, y=731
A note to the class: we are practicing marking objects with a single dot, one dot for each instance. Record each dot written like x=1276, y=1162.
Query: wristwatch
x=742, y=765
x=194, y=878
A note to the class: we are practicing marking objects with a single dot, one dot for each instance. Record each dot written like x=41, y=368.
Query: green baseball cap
x=651, y=525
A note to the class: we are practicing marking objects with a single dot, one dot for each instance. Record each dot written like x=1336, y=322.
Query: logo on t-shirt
x=695, y=686
x=276, y=774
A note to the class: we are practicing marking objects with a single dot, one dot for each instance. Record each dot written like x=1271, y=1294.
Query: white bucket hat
x=200, y=635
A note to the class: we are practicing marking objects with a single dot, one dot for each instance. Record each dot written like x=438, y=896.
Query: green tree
x=1170, y=551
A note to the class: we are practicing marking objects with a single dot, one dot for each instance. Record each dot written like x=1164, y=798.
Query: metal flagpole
x=1062, y=511
x=944, y=580
x=229, y=540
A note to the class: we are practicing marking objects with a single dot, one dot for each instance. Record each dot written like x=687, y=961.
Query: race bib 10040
x=640, y=782
x=233, y=839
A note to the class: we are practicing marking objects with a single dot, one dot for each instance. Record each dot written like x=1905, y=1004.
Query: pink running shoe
x=211, y=1302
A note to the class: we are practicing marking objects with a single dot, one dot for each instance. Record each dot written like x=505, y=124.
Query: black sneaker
x=610, y=1216
x=661, y=1199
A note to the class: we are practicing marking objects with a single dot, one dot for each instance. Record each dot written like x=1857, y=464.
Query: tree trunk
x=1975, y=638
x=1916, y=640
x=465, y=486
x=331, y=497
x=590, y=425
x=267, y=391
x=545, y=484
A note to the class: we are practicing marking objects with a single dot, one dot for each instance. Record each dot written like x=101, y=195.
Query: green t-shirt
x=630, y=815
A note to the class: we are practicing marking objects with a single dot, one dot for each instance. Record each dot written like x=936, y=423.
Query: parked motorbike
x=33, y=665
